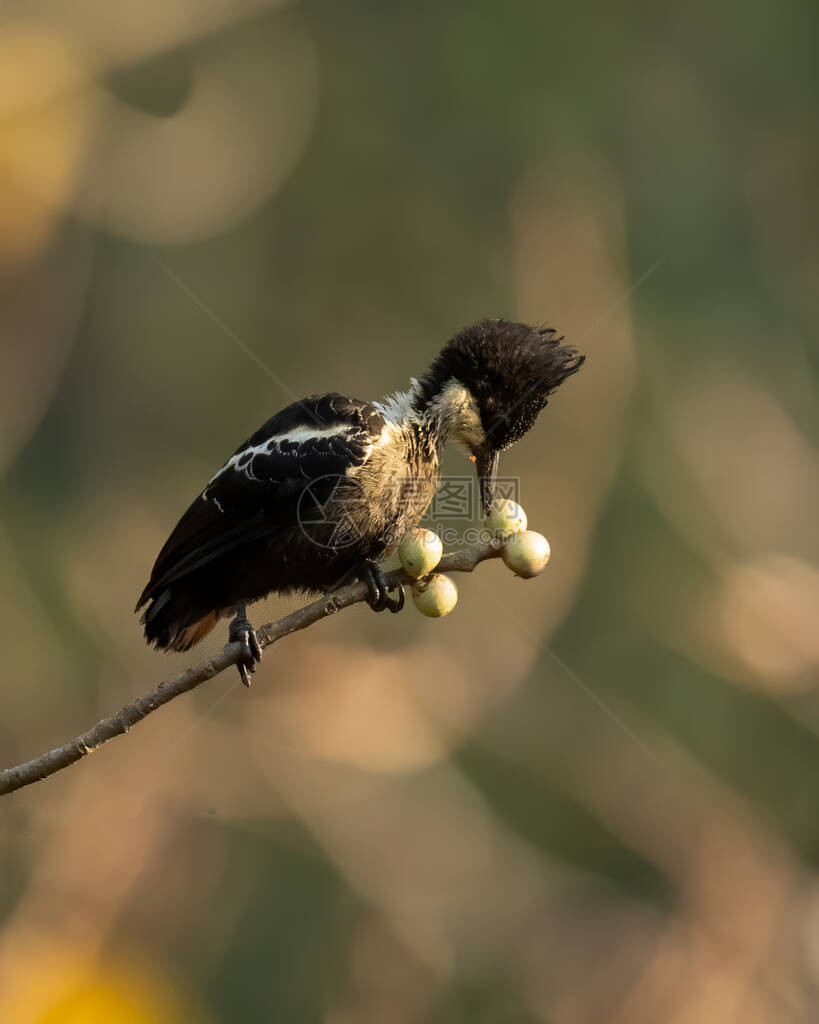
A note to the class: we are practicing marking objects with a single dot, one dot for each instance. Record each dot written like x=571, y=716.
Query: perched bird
x=331, y=484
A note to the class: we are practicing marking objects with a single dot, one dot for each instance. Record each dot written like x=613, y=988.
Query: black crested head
x=510, y=369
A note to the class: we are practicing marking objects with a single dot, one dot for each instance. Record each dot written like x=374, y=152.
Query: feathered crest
x=510, y=368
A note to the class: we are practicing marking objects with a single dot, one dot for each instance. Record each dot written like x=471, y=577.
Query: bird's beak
x=486, y=464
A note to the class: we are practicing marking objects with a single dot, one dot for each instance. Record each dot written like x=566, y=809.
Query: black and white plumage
x=329, y=485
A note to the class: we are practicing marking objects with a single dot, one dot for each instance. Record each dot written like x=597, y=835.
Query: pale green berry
x=435, y=596
x=420, y=551
x=526, y=553
x=506, y=516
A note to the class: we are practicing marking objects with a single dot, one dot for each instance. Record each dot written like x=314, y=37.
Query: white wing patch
x=298, y=435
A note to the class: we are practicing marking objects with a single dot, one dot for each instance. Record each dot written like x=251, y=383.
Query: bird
x=327, y=488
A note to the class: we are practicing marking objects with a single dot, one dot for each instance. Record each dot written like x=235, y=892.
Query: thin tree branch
x=55, y=760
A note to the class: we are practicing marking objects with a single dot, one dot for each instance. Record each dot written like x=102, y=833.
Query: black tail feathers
x=175, y=623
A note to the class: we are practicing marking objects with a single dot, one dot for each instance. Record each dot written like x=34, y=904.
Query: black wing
x=257, y=491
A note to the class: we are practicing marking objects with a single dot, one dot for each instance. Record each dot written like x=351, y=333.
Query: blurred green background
x=414, y=821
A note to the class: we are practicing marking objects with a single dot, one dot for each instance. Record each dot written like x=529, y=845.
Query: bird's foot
x=379, y=594
x=251, y=653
